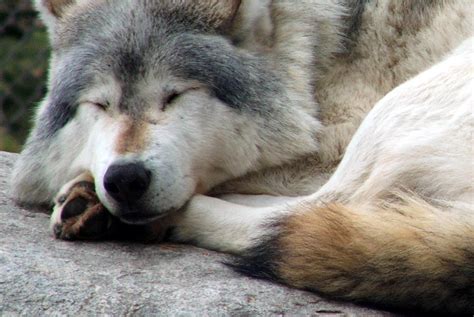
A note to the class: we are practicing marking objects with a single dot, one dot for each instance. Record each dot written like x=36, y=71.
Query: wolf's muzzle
x=126, y=183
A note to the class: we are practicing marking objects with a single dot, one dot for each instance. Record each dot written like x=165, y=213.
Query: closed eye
x=101, y=105
x=170, y=99
x=98, y=104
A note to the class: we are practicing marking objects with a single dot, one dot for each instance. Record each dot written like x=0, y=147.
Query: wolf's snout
x=126, y=183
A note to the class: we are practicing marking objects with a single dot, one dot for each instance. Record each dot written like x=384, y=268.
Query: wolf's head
x=154, y=99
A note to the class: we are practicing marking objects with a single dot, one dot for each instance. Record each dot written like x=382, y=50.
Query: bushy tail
x=403, y=255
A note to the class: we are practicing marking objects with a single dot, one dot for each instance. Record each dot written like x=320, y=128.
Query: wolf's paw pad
x=79, y=215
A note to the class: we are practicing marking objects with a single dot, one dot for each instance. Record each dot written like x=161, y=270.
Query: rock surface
x=41, y=276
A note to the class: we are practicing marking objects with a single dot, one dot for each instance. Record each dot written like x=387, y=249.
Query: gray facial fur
x=70, y=78
x=186, y=48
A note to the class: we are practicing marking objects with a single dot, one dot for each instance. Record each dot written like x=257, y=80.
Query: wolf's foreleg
x=222, y=225
x=258, y=200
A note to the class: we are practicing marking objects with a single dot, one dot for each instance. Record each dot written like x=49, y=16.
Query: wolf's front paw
x=78, y=214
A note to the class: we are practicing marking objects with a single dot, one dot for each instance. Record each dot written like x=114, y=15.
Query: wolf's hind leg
x=78, y=214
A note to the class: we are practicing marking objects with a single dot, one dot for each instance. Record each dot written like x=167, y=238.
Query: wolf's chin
x=138, y=219
x=143, y=217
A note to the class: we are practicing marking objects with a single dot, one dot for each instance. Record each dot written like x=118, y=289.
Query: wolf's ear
x=52, y=10
x=219, y=13
x=252, y=28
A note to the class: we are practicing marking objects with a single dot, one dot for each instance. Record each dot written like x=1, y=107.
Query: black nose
x=127, y=182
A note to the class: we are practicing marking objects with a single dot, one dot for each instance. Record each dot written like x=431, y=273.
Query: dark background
x=24, y=57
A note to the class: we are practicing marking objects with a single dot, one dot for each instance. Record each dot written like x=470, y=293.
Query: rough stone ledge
x=41, y=276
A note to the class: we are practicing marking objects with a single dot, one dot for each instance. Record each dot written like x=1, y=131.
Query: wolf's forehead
x=126, y=21
x=126, y=38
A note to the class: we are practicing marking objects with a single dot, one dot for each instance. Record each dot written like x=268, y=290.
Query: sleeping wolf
x=326, y=143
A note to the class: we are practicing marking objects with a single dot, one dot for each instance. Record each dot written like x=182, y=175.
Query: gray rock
x=41, y=276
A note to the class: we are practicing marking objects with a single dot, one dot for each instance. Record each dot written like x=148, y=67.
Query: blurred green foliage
x=23, y=70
